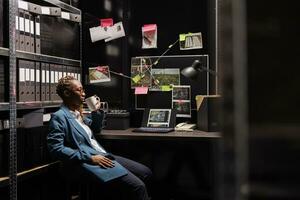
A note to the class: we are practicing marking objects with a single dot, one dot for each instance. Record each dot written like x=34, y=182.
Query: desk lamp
x=207, y=105
x=197, y=67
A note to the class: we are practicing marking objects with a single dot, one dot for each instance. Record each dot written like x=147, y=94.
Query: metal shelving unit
x=12, y=106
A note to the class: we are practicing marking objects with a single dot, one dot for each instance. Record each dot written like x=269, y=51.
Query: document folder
x=43, y=81
x=37, y=35
x=21, y=80
x=37, y=81
x=22, y=30
x=47, y=66
x=27, y=36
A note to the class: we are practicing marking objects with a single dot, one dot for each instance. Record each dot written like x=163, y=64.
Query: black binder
x=27, y=31
x=52, y=82
x=43, y=81
x=21, y=80
x=31, y=21
x=47, y=84
x=22, y=30
x=37, y=35
x=18, y=31
x=37, y=81
x=31, y=86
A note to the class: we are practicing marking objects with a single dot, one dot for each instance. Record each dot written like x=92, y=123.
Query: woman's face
x=77, y=94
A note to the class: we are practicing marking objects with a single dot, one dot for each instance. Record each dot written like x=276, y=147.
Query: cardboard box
x=208, y=107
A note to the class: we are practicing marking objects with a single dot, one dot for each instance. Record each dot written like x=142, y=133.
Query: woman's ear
x=67, y=93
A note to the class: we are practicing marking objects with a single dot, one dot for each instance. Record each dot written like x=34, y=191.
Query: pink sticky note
x=149, y=27
x=106, y=22
x=141, y=90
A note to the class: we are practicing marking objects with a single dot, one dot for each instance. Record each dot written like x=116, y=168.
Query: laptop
x=157, y=121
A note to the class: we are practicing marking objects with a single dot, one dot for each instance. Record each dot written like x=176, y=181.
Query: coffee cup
x=93, y=102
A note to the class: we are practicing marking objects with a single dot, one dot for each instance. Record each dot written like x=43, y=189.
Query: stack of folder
x=30, y=31
x=37, y=81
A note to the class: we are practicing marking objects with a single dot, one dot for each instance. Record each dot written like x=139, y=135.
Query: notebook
x=157, y=121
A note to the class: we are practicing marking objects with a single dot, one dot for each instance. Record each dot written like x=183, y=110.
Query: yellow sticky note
x=136, y=79
x=182, y=37
x=166, y=88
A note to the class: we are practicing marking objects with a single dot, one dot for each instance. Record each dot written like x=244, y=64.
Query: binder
x=47, y=88
x=71, y=71
x=27, y=31
x=52, y=81
x=22, y=30
x=43, y=81
x=17, y=33
x=37, y=35
x=32, y=80
x=32, y=45
x=21, y=80
x=65, y=72
x=37, y=81
x=78, y=73
x=60, y=75
x=60, y=71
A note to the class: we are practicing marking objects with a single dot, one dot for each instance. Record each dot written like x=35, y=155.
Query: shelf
x=38, y=104
x=4, y=181
x=64, y=6
x=47, y=58
x=31, y=105
x=4, y=106
x=4, y=51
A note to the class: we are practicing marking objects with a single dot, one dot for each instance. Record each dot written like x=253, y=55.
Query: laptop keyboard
x=153, y=130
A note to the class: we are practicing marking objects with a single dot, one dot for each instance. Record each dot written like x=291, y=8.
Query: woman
x=71, y=140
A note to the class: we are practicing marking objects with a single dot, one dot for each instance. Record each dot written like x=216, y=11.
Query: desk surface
x=128, y=134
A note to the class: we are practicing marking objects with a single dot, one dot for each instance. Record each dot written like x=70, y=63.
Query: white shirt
x=88, y=131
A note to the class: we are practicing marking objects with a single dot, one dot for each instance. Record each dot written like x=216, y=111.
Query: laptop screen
x=159, y=118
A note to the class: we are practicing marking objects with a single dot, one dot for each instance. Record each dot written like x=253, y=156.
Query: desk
x=128, y=134
x=183, y=163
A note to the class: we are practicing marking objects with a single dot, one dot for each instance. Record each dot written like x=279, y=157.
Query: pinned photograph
x=183, y=108
x=181, y=92
x=140, y=72
x=99, y=33
x=116, y=31
x=164, y=77
x=190, y=41
x=99, y=74
x=181, y=100
x=149, y=36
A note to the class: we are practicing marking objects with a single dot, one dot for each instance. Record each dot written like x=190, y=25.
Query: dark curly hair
x=64, y=84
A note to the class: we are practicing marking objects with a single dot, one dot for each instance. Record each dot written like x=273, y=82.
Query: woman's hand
x=102, y=161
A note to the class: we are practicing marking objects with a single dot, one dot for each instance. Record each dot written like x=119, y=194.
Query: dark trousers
x=134, y=183
x=129, y=187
